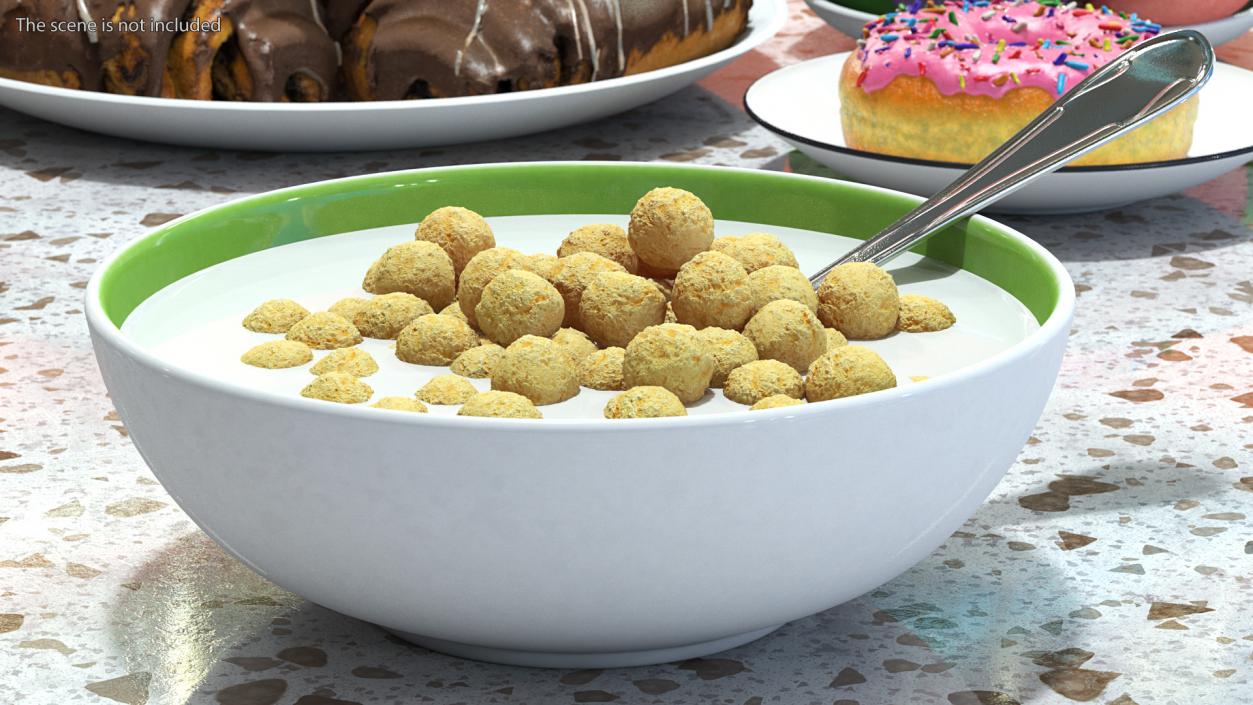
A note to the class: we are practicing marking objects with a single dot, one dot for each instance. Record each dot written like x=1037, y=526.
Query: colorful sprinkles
x=988, y=48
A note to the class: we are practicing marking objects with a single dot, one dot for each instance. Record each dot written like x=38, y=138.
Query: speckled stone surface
x=1112, y=565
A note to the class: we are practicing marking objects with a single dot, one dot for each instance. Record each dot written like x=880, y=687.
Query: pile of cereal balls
x=659, y=312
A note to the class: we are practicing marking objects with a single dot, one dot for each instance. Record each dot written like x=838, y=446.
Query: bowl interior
x=194, y=323
x=201, y=240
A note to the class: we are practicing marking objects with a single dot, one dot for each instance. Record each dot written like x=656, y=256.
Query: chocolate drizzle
x=133, y=61
x=274, y=50
x=436, y=48
x=266, y=50
x=339, y=15
x=64, y=59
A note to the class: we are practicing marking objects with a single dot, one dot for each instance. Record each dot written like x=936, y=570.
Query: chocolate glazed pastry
x=62, y=59
x=402, y=49
x=266, y=50
x=134, y=62
x=340, y=15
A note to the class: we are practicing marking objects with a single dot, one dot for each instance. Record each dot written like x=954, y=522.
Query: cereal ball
x=537, y=369
x=325, y=331
x=544, y=264
x=775, y=401
x=506, y=405
x=454, y=309
x=847, y=371
x=275, y=316
x=860, y=300
x=756, y=251
x=671, y=355
x=789, y=332
x=603, y=370
x=575, y=343
x=835, y=339
x=616, y=306
x=749, y=384
x=730, y=350
x=670, y=226
x=400, y=404
x=778, y=282
x=518, y=303
x=419, y=268
x=712, y=290
x=577, y=272
x=644, y=403
x=655, y=273
x=386, y=315
x=348, y=307
x=608, y=241
x=339, y=387
x=446, y=389
x=670, y=317
x=434, y=339
x=354, y=361
x=277, y=355
x=477, y=363
x=460, y=233
x=923, y=314
x=482, y=269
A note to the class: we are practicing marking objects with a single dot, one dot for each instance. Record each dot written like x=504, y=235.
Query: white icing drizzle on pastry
x=591, y=37
x=89, y=22
x=709, y=15
x=578, y=38
x=617, y=18
x=687, y=23
x=315, y=9
x=479, y=11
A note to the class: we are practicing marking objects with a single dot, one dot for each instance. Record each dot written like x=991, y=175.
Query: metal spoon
x=1137, y=87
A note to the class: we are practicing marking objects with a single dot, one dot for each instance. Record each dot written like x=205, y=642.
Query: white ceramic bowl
x=576, y=542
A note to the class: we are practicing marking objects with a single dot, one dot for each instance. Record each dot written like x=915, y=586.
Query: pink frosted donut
x=950, y=81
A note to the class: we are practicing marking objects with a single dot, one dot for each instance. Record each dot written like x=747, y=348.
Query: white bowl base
x=617, y=659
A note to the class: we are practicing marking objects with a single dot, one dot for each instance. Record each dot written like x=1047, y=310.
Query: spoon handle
x=1137, y=87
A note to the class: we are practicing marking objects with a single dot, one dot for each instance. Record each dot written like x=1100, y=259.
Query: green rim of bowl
x=196, y=242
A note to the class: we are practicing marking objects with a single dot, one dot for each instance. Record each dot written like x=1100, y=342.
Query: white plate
x=344, y=126
x=195, y=323
x=850, y=21
x=801, y=103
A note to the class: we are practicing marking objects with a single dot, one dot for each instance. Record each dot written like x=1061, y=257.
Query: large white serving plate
x=345, y=126
x=195, y=322
x=850, y=21
x=801, y=103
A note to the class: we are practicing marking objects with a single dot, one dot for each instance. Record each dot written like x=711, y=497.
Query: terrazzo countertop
x=1112, y=565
